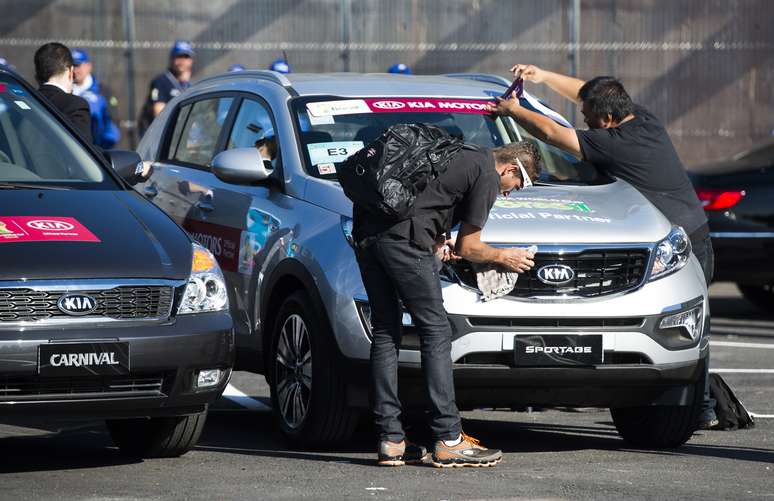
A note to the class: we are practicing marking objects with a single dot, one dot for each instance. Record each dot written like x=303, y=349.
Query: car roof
x=366, y=84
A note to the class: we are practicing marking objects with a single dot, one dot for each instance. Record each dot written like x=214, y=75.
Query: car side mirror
x=127, y=164
x=240, y=166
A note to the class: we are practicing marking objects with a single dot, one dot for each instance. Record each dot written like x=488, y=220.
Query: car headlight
x=671, y=253
x=206, y=288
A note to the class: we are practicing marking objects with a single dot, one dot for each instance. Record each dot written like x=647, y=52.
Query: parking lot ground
x=554, y=454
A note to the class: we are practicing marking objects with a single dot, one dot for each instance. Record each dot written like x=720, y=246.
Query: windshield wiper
x=31, y=186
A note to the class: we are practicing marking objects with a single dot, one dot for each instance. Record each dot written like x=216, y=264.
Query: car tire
x=659, y=426
x=762, y=296
x=307, y=385
x=160, y=437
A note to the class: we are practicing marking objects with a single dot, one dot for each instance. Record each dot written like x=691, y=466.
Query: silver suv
x=613, y=314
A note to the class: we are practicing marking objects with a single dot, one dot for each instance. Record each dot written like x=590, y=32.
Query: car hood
x=557, y=214
x=135, y=239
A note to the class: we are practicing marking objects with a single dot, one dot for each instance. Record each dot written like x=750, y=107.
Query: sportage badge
x=556, y=274
x=76, y=304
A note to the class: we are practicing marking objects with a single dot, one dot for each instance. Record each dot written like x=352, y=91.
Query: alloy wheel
x=293, y=370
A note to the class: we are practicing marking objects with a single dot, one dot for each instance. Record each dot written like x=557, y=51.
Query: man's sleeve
x=597, y=145
x=159, y=92
x=475, y=206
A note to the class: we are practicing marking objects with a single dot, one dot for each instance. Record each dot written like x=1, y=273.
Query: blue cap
x=280, y=66
x=399, y=68
x=236, y=67
x=181, y=48
x=80, y=56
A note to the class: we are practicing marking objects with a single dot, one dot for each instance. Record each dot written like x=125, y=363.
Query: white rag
x=494, y=281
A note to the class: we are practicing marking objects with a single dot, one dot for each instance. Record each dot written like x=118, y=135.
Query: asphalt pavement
x=553, y=454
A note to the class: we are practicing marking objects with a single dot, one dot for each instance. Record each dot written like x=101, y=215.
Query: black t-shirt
x=163, y=89
x=640, y=152
x=465, y=192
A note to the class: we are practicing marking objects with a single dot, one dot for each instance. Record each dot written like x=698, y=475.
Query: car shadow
x=86, y=447
x=255, y=434
x=737, y=308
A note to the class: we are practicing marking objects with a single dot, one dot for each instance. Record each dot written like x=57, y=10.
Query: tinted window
x=252, y=125
x=200, y=131
x=36, y=148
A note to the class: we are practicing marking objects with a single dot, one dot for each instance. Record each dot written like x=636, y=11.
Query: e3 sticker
x=332, y=152
x=323, y=120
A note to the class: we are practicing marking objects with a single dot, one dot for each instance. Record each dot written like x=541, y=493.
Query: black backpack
x=731, y=413
x=385, y=177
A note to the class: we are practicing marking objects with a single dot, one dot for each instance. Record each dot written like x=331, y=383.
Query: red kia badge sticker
x=44, y=229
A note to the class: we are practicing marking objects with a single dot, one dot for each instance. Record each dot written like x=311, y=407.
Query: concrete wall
x=704, y=66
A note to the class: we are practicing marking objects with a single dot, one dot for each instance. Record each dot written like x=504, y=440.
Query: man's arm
x=564, y=85
x=541, y=127
x=469, y=246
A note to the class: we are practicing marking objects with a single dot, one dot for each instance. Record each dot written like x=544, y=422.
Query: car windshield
x=331, y=129
x=36, y=150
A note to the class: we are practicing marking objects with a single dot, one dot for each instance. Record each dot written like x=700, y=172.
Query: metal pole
x=127, y=8
x=573, y=54
x=346, y=13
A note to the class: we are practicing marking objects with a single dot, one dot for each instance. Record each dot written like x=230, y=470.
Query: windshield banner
x=398, y=105
x=43, y=229
x=420, y=105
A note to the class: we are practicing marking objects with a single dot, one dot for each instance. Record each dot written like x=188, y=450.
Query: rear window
x=36, y=149
x=331, y=129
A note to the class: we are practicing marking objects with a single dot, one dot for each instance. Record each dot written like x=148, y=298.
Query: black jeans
x=396, y=271
x=702, y=249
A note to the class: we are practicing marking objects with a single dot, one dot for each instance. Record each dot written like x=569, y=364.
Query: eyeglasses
x=526, y=182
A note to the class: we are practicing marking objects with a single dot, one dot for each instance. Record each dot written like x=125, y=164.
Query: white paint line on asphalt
x=236, y=396
x=734, y=344
x=743, y=371
x=762, y=416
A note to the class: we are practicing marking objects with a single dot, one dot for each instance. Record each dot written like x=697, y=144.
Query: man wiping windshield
x=626, y=141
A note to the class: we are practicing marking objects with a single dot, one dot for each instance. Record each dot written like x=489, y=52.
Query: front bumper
x=164, y=361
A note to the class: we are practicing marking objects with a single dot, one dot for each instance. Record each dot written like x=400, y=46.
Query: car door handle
x=150, y=191
x=205, y=205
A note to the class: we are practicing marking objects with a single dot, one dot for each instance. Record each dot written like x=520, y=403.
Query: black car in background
x=107, y=308
x=738, y=197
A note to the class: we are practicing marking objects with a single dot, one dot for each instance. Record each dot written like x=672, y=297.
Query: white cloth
x=494, y=281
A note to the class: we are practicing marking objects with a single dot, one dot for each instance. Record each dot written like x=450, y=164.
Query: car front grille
x=37, y=388
x=598, y=272
x=118, y=303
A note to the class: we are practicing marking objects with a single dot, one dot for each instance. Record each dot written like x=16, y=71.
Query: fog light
x=208, y=378
x=364, y=309
x=690, y=321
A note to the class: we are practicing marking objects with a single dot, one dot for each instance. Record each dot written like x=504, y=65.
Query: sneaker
x=400, y=453
x=468, y=453
x=712, y=424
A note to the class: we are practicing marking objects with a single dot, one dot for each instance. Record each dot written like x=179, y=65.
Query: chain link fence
x=703, y=66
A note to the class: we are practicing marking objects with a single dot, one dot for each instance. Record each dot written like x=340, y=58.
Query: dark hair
x=526, y=151
x=605, y=95
x=52, y=59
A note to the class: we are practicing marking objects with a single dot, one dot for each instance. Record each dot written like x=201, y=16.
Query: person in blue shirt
x=400, y=68
x=169, y=84
x=104, y=132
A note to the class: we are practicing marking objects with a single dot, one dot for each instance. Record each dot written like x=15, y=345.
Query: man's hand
x=529, y=72
x=516, y=259
x=444, y=249
x=504, y=106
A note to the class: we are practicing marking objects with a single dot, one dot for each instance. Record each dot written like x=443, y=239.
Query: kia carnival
x=107, y=308
x=612, y=315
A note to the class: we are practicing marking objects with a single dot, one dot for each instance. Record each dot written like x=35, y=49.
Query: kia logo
x=76, y=304
x=389, y=105
x=48, y=224
x=555, y=274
